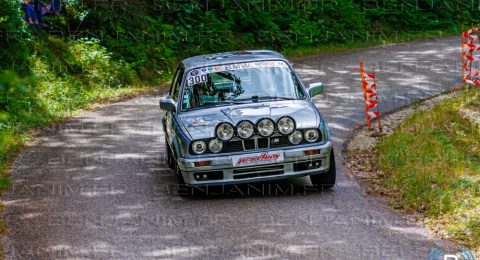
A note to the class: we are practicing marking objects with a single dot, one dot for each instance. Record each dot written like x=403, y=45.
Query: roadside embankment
x=426, y=164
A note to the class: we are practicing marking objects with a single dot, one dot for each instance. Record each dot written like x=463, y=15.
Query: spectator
x=55, y=7
x=30, y=14
x=38, y=5
x=46, y=9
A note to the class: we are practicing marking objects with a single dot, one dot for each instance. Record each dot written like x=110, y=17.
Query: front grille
x=249, y=144
x=258, y=169
x=279, y=141
x=263, y=143
x=257, y=172
x=246, y=145
x=232, y=146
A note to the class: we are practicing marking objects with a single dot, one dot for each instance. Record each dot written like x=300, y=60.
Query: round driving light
x=266, y=127
x=215, y=145
x=286, y=125
x=199, y=147
x=225, y=131
x=295, y=137
x=311, y=135
x=245, y=129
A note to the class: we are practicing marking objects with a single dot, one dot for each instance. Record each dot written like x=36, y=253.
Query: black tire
x=170, y=159
x=180, y=186
x=183, y=189
x=327, y=179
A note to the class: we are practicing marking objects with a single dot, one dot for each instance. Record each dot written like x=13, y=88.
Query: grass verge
x=431, y=165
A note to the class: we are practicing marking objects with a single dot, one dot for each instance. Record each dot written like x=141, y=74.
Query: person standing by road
x=30, y=15
x=56, y=7
x=38, y=6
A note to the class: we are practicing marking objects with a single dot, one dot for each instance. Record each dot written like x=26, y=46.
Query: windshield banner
x=197, y=76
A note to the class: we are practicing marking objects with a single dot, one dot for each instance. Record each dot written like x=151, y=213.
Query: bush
x=12, y=91
x=13, y=37
x=153, y=35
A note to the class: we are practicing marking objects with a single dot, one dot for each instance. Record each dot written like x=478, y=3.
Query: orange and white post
x=369, y=86
x=470, y=54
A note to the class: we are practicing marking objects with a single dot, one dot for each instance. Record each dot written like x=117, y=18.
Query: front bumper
x=295, y=164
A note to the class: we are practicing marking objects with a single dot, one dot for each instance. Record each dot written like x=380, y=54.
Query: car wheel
x=327, y=179
x=170, y=159
x=180, y=186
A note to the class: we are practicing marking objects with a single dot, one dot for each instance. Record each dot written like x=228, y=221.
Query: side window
x=299, y=87
x=177, y=82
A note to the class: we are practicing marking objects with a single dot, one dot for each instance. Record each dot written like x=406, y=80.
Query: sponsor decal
x=257, y=64
x=199, y=76
x=202, y=123
x=255, y=159
x=275, y=140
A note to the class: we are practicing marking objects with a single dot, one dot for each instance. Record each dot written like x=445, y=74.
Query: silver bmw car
x=242, y=117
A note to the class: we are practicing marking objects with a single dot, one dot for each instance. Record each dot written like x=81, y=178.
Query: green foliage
x=68, y=75
x=13, y=37
x=153, y=35
x=11, y=87
x=64, y=76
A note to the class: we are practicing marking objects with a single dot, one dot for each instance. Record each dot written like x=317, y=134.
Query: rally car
x=242, y=117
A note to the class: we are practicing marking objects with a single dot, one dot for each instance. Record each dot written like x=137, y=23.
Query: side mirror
x=168, y=104
x=315, y=89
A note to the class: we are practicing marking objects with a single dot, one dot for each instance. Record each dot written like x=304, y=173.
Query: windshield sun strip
x=296, y=78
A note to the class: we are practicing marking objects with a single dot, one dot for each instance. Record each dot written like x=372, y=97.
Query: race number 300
x=197, y=79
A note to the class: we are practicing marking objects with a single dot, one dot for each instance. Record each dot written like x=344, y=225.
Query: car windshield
x=240, y=83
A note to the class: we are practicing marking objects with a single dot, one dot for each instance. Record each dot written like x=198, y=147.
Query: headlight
x=245, y=129
x=199, y=147
x=295, y=137
x=215, y=145
x=225, y=131
x=286, y=125
x=265, y=127
x=312, y=135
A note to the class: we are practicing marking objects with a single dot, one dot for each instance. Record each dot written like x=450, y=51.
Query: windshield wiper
x=213, y=103
x=254, y=98
x=257, y=98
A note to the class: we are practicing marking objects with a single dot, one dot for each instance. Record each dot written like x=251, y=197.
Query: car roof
x=222, y=58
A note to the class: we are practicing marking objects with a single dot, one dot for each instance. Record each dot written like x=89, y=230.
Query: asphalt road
x=97, y=186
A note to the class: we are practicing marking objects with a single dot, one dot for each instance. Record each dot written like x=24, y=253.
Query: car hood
x=200, y=124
